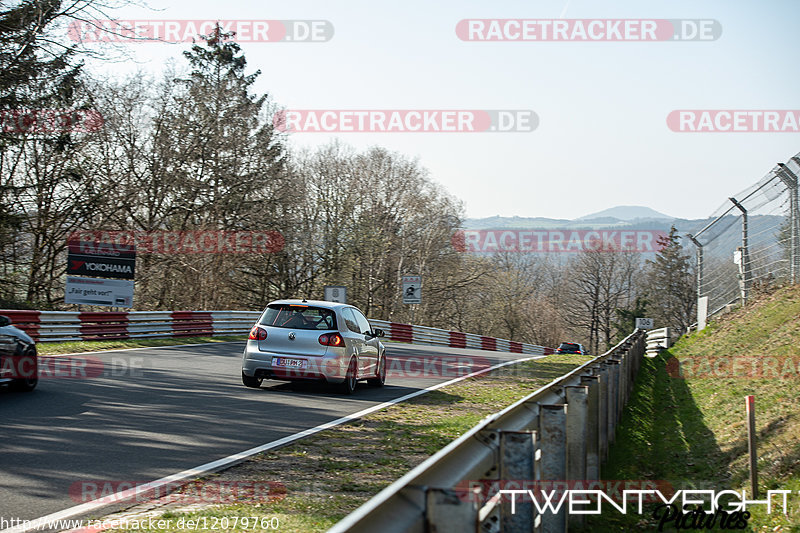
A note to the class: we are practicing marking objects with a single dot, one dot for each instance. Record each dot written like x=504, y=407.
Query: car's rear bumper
x=330, y=367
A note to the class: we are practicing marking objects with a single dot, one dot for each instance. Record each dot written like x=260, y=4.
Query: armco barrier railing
x=52, y=326
x=454, y=339
x=560, y=432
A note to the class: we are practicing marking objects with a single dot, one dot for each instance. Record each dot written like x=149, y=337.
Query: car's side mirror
x=378, y=332
x=4, y=321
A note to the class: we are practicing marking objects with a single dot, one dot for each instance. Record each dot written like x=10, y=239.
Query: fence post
x=699, y=255
x=744, y=268
x=790, y=179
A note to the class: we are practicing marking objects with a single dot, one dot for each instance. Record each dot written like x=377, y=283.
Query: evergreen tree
x=670, y=284
x=626, y=318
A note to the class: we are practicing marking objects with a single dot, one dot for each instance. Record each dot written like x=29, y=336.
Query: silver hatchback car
x=310, y=340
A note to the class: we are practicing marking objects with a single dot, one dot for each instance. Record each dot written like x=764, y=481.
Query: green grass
x=55, y=348
x=692, y=433
x=328, y=475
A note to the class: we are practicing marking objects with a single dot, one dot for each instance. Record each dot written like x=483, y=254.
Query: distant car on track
x=571, y=347
x=299, y=340
x=18, y=361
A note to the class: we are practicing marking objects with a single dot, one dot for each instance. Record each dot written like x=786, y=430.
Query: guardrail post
x=552, y=426
x=518, y=462
x=637, y=360
x=633, y=366
x=577, y=407
x=613, y=396
x=447, y=512
x=622, y=393
x=592, y=384
x=602, y=421
x=577, y=437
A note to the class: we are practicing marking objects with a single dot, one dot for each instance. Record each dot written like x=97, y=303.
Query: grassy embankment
x=691, y=431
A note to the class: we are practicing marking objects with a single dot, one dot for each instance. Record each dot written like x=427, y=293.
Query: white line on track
x=38, y=523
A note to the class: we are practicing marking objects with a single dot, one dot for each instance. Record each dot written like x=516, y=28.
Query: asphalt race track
x=149, y=413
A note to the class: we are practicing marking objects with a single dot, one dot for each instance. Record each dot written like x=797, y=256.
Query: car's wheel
x=251, y=382
x=380, y=378
x=351, y=377
x=27, y=384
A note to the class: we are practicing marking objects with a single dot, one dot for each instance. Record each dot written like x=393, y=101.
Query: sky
x=602, y=138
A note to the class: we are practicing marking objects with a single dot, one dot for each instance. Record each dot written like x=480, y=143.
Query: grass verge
x=319, y=480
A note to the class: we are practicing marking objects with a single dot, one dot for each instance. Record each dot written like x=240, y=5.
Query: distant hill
x=627, y=213
x=763, y=228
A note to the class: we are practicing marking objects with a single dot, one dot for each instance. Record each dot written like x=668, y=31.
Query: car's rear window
x=568, y=346
x=299, y=317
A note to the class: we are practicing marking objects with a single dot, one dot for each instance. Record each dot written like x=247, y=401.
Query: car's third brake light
x=331, y=339
x=257, y=334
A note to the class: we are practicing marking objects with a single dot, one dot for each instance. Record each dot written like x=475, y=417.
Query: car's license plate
x=289, y=363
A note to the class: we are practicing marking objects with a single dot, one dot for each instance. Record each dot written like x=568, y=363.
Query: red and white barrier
x=454, y=339
x=52, y=326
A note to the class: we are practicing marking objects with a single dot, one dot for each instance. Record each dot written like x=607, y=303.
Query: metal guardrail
x=560, y=432
x=53, y=326
x=441, y=337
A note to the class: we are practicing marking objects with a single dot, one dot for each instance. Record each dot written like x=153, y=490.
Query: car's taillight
x=257, y=334
x=331, y=339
